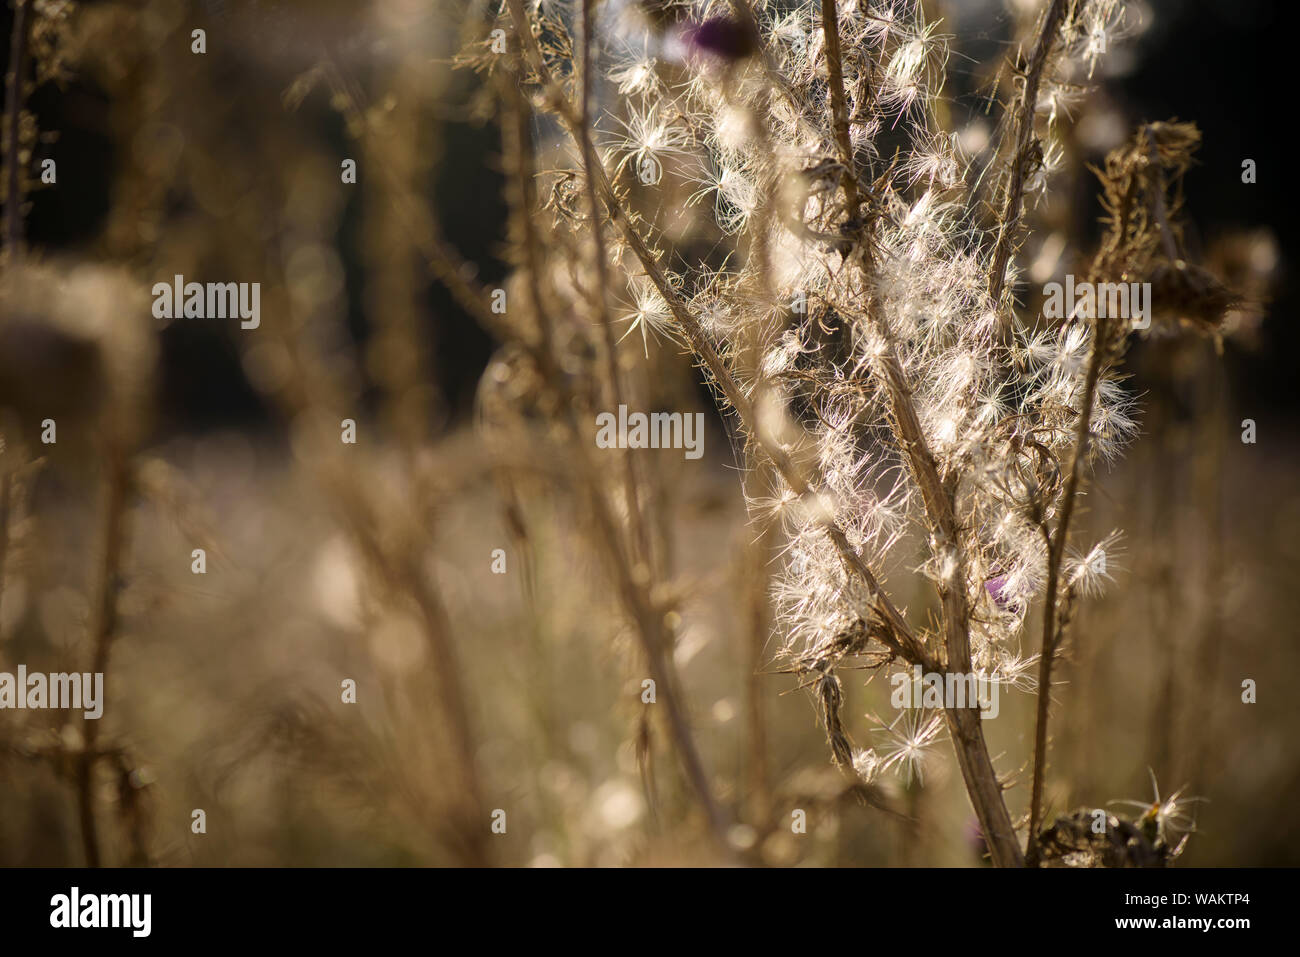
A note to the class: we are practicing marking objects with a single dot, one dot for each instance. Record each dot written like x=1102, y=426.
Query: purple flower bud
x=1001, y=595
x=720, y=37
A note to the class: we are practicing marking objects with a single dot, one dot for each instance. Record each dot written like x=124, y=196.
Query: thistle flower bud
x=719, y=38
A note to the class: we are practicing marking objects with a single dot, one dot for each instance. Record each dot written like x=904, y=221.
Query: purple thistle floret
x=720, y=37
x=997, y=589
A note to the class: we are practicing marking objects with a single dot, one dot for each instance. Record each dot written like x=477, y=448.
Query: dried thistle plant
x=774, y=188
x=784, y=192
